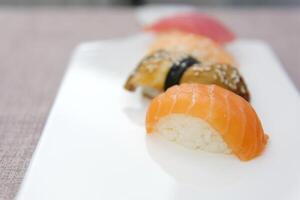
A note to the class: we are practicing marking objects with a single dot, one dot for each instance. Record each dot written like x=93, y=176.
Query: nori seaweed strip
x=177, y=70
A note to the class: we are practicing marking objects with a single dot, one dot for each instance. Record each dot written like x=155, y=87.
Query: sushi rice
x=191, y=132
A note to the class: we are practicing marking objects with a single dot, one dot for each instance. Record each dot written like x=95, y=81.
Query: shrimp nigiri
x=209, y=118
x=200, y=47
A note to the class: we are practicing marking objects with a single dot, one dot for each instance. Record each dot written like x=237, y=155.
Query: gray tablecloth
x=35, y=46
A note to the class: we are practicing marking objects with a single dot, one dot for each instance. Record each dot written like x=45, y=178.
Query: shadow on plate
x=193, y=167
x=136, y=110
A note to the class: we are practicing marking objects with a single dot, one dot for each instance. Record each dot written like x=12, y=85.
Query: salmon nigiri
x=209, y=118
x=195, y=23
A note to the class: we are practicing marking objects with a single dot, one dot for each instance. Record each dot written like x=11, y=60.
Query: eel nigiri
x=200, y=47
x=209, y=118
x=161, y=70
x=195, y=23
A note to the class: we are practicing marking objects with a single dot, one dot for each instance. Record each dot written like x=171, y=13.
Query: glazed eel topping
x=162, y=69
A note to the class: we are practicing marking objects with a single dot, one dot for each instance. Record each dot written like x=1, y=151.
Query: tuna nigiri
x=209, y=118
x=195, y=23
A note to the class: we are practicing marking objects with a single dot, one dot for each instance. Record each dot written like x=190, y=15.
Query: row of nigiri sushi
x=200, y=98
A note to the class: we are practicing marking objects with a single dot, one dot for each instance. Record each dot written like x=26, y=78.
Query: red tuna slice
x=195, y=23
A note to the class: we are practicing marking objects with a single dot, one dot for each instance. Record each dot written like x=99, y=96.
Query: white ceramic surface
x=94, y=145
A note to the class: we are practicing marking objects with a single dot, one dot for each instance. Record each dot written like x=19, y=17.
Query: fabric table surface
x=36, y=44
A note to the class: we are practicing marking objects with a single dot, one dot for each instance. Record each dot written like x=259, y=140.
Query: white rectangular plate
x=94, y=145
